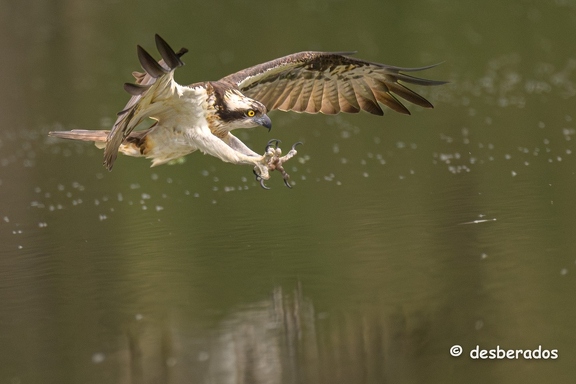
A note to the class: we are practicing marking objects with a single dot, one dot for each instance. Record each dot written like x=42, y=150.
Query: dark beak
x=264, y=121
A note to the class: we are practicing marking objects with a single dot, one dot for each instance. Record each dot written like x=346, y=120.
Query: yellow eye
x=250, y=113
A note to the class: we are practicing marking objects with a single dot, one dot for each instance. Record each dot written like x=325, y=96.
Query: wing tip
x=151, y=66
x=171, y=58
x=109, y=158
x=136, y=89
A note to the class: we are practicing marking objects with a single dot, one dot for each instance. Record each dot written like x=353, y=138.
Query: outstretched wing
x=329, y=82
x=151, y=86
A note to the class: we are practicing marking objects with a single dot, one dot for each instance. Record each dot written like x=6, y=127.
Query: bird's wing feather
x=154, y=84
x=329, y=82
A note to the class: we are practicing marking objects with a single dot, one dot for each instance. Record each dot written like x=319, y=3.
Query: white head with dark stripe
x=234, y=110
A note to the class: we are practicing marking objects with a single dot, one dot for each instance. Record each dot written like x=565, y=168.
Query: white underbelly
x=164, y=145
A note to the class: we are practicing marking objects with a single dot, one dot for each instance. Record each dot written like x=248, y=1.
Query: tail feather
x=98, y=137
x=132, y=146
x=81, y=134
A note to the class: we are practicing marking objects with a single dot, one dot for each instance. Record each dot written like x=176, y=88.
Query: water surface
x=402, y=237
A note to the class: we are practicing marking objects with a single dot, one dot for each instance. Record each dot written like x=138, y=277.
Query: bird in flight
x=202, y=115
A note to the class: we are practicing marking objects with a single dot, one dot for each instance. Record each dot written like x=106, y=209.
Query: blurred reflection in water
x=271, y=341
x=264, y=342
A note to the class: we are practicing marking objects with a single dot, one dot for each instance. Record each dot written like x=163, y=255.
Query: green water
x=402, y=237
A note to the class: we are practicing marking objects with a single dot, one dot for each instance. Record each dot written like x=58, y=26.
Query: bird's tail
x=98, y=137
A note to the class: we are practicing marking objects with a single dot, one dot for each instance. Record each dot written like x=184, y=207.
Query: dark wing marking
x=130, y=116
x=329, y=82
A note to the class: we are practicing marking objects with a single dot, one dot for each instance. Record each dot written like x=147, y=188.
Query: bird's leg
x=274, y=162
x=261, y=168
x=281, y=160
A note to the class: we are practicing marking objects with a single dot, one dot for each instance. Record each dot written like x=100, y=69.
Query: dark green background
x=368, y=271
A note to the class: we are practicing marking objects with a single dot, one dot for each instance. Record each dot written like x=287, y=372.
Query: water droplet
x=478, y=325
x=98, y=358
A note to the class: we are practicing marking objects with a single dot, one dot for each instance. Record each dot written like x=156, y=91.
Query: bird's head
x=234, y=110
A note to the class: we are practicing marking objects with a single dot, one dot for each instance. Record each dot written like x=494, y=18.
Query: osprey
x=201, y=116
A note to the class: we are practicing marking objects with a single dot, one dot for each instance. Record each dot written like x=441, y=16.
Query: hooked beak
x=264, y=121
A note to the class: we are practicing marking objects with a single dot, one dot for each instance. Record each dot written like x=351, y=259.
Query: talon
x=270, y=144
x=262, y=183
x=285, y=176
x=295, y=144
x=260, y=179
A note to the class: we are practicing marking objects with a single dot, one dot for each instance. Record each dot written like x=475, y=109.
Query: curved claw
x=286, y=183
x=269, y=144
x=262, y=184
x=260, y=179
x=295, y=144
